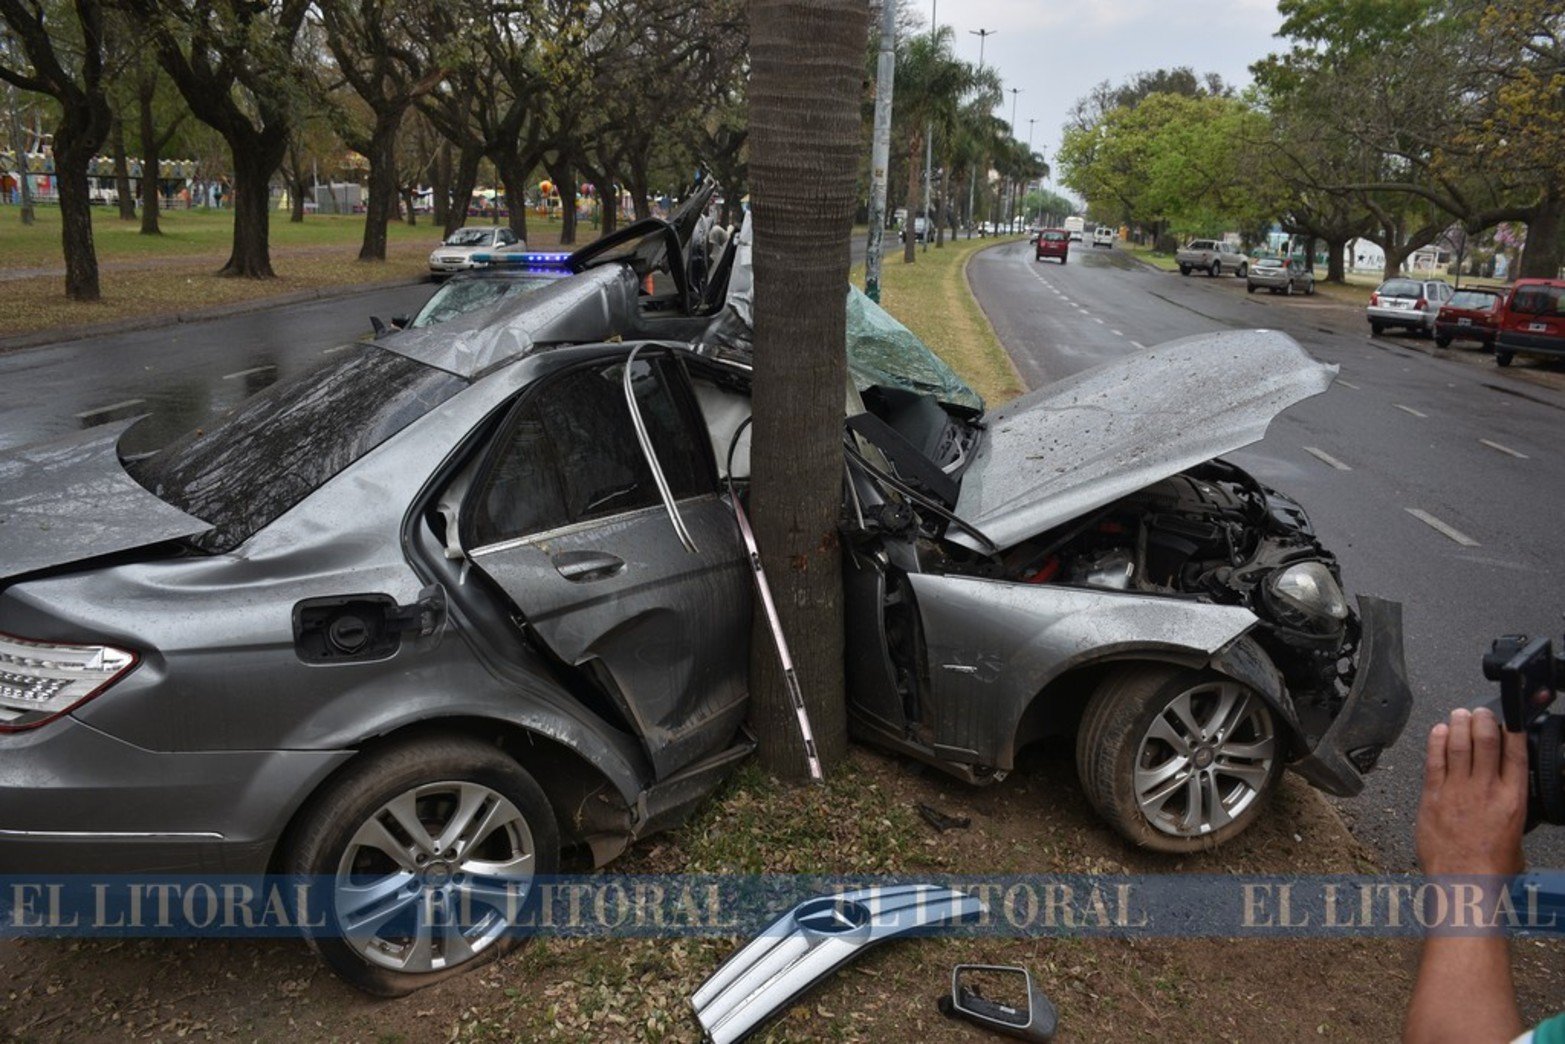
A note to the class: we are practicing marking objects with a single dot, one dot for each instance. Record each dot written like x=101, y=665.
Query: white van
x=1103, y=235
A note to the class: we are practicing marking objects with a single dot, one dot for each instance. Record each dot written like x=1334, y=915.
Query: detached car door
x=566, y=518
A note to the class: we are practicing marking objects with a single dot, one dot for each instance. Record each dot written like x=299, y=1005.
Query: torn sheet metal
x=1104, y=433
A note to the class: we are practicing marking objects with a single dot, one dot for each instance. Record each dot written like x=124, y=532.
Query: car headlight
x=1308, y=596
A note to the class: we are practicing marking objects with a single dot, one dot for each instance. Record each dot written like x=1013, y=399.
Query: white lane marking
x=1138, y=344
x=246, y=373
x=1096, y=319
x=1116, y=333
x=1327, y=458
x=1504, y=449
x=1347, y=384
x=1081, y=308
x=1440, y=527
x=84, y=414
x=1409, y=409
x=340, y=348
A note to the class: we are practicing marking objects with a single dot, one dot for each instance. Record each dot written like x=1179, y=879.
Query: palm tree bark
x=805, y=144
x=915, y=181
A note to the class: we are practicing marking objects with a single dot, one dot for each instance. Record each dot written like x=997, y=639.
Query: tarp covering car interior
x=70, y=500
x=1106, y=432
x=582, y=309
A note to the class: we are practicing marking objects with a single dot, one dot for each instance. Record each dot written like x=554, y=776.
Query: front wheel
x=1184, y=270
x=1217, y=269
x=1177, y=760
x=1244, y=270
x=1441, y=340
x=1309, y=289
x=427, y=853
x=1289, y=291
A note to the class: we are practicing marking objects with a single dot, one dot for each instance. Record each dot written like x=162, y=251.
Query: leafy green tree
x=931, y=87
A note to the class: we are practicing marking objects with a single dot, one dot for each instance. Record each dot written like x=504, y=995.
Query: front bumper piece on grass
x=812, y=940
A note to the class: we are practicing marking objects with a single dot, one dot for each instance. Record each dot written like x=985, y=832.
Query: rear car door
x=564, y=515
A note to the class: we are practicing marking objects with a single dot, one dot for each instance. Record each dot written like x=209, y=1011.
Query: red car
x=1470, y=315
x=1533, y=322
x=1054, y=242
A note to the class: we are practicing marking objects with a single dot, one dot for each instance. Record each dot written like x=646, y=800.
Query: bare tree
x=804, y=162
x=47, y=59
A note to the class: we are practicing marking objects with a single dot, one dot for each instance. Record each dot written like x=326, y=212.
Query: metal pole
x=880, y=153
x=929, y=126
x=19, y=147
x=972, y=175
x=1010, y=212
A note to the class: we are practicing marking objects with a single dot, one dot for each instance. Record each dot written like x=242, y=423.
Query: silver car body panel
x=593, y=306
x=993, y=645
x=71, y=499
x=809, y=942
x=1084, y=442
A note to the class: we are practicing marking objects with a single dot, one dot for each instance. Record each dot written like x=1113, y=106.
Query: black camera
x=1527, y=671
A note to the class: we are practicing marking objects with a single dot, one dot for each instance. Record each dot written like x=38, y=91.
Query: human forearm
x=1464, y=992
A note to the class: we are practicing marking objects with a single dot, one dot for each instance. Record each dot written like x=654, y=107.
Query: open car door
x=567, y=517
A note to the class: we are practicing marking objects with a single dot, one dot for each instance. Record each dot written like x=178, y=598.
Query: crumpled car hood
x=70, y=500
x=1106, y=432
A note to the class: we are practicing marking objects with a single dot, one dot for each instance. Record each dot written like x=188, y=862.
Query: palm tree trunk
x=804, y=173
x=915, y=179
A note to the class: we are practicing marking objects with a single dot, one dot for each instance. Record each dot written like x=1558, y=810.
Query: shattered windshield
x=276, y=448
x=461, y=296
x=882, y=351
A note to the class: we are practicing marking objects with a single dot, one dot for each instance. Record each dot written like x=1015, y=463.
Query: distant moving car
x=1054, y=242
x=1470, y=315
x=1533, y=322
x=1103, y=235
x=1409, y=303
x=920, y=230
x=1280, y=276
x=456, y=253
x=1212, y=256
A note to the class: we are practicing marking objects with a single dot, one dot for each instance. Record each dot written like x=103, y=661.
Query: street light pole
x=929, y=125
x=972, y=175
x=1010, y=211
x=1030, y=122
x=880, y=154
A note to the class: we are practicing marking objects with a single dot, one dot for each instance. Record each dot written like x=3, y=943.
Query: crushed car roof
x=581, y=308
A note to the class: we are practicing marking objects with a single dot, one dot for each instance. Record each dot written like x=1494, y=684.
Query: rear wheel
x=1376, y=329
x=1309, y=288
x=1249, y=288
x=1184, y=270
x=1288, y=290
x=1442, y=340
x=1244, y=270
x=1503, y=358
x=1177, y=760
x=426, y=853
x=1217, y=269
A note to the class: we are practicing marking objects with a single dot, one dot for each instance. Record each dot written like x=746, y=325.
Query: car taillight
x=1422, y=304
x=39, y=681
x=1374, y=299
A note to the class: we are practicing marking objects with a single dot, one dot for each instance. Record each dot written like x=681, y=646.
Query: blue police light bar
x=524, y=259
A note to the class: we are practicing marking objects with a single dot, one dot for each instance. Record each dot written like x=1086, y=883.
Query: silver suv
x=1409, y=303
x=1212, y=256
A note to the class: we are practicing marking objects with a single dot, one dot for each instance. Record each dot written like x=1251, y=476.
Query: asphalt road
x=1437, y=483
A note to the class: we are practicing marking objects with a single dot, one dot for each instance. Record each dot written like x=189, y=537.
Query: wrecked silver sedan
x=471, y=597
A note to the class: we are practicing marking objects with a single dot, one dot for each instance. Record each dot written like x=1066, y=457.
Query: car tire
x=1287, y=291
x=1376, y=329
x=1121, y=752
x=1184, y=270
x=431, y=777
x=1063, y=259
x=1249, y=287
x=1244, y=270
x=1216, y=269
x=1503, y=358
x=1442, y=341
x=1309, y=289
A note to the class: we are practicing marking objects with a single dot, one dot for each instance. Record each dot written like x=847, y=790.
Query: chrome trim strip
x=118, y=834
x=808, y=943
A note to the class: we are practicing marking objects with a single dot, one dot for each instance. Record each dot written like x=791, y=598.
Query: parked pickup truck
x=1212, y=256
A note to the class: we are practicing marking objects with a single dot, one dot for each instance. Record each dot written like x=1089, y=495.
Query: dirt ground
x=864, y=821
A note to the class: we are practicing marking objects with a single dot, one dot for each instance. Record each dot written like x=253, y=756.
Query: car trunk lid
x=1104, y=433
x=71, y=500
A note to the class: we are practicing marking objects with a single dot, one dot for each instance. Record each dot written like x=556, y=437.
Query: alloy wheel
x=1205, y=758
x=434, y=877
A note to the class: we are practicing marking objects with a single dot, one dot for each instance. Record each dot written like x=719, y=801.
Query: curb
x=41, y=338
x=1021, y=382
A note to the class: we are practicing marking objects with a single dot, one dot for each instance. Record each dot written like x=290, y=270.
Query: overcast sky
x=1056, y=50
